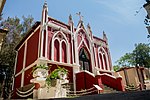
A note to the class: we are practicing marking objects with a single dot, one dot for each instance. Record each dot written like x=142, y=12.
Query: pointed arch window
x=56, y=50
x=103, y=59
x=84, y=60
x=60, y=48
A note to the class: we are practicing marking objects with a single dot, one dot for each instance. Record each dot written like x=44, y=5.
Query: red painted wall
x=17, y=84
x=20, y=57
x=86, y=81
x=115, y=83
x=28, y=76
x=32, y=48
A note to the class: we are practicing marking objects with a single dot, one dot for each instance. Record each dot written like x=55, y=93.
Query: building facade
x=53, y=42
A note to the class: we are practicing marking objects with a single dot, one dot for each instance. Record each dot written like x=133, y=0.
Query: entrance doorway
x=84, y=60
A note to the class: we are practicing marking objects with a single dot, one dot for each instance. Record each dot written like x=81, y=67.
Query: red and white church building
x=53, y=42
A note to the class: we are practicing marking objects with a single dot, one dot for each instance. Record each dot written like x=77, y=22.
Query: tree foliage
x=116, y=67
x=16, y=30
x=140, y=56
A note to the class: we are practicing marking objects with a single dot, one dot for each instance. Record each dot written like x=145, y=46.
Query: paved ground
x=138, y=95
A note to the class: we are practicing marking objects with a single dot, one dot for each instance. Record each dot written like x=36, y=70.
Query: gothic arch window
x=103, y=59
x=59, y=47
x=56, y=50
x=84, y=60
x=64, y=52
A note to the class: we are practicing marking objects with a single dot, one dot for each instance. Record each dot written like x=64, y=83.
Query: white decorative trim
x=86, y=72
x=24, y=95
x=72, y=49
x=25, y=91
x=98, y=69
x=97, y=87
x=108, y=75
x=46, y=43
x=28, y=67
x=76, y=52
x=76, y=34
x=60, y=51
x=15, y=70
x=42, y=41
x=61, y=63
x=50, y=24
x=92, y=57
x=83, y=41
x=24, y=63
x=39, y=44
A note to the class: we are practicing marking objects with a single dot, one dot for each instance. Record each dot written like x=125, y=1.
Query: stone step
x=108, y=89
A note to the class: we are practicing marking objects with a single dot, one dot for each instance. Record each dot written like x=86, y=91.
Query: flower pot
x=37, y=85
x=53, y=82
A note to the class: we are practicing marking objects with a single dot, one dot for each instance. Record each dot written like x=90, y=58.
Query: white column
x=15, y=69
x=76, y=52
x=24, y=62
x=46, y=41
x=60, y=51
x=92, y=57
x=72, y=45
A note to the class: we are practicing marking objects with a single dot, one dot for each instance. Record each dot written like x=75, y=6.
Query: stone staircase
x=108, y=89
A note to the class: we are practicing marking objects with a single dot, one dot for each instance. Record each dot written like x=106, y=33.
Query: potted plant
x=40, y=71
x=59, y=73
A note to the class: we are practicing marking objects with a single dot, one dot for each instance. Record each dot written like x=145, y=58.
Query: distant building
x=53, y=42
x=135, y=76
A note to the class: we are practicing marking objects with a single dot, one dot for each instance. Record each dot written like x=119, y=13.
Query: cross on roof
x=80, y=16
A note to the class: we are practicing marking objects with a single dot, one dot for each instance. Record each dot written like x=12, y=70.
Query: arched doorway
x=84, y=60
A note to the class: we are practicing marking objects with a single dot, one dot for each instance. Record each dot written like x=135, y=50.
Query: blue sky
x=115, y=17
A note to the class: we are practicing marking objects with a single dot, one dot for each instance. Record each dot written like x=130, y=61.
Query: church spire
x=45, y=13
x=70, y=22
x=70, y=19
x=89, y=30
x=104, y=36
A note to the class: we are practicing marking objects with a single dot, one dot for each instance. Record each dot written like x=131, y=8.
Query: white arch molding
x=60, y=46
x=103, y=54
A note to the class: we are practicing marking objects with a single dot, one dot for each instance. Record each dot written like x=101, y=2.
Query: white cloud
x=124, y=9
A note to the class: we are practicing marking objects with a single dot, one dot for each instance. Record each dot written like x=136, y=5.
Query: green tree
x=16, y=30
x=126, y=60
x=140, y=56
x=116, y=67
x=27, y=24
